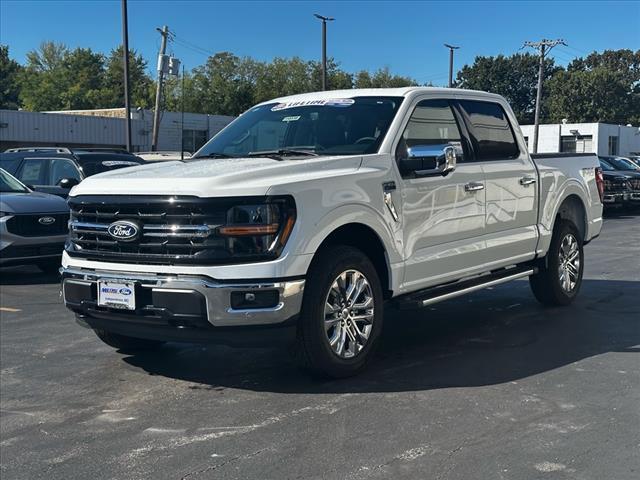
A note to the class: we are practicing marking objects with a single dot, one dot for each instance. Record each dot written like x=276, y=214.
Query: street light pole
x=324, y=46
x=125, y=57
x=451, y=49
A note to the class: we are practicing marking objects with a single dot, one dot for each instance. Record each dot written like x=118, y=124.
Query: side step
x=440, y=293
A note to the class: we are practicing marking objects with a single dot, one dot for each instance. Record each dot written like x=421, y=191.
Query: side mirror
x=68, y=183
x=429, y=160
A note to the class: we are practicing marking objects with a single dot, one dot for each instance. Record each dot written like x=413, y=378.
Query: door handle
x=473, y=187
x=526, y=181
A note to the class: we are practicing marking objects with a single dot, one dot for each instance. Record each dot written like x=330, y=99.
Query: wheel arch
x=366, y=239
x=572, y=208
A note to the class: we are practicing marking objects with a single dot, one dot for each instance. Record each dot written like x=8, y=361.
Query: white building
x=600, y=138
x=106, y=128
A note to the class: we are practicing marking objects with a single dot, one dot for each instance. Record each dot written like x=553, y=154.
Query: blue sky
x=405, y=36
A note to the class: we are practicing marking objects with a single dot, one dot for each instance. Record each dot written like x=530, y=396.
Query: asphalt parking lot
x=489, y=386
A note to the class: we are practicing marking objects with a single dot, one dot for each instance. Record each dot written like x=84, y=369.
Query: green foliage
x=514, y=77
x=603, y=87
x=141, y=85
x=9, y=73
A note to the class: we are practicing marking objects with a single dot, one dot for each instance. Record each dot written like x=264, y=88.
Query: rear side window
x=10, y=165
x=33, y=171
x=491, y=131
x=62, y=168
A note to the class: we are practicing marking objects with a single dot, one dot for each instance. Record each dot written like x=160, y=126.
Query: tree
x=382, y=78
x=141, y=84
x=603, y=87
x=9, y=86
x=514, y=77
x=48, y=57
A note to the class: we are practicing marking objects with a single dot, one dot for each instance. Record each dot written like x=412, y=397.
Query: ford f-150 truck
x=298, y=221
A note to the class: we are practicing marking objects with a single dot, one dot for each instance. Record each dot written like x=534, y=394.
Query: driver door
x=443, y=215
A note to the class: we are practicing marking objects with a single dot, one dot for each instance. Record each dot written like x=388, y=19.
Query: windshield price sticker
x=291, y=119
x=331, y=102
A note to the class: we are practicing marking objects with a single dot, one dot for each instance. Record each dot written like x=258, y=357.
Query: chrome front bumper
x=217, y=295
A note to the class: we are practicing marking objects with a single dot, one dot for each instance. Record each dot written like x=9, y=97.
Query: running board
x=437, y=294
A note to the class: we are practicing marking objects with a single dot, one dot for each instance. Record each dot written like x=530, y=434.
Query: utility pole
x=543, y=47
x=182, y=118
x=164, y=32
x=324, y=47
x=125, y=57
x=451, y=49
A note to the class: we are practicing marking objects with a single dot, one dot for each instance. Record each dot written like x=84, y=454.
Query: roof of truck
x=376, y=92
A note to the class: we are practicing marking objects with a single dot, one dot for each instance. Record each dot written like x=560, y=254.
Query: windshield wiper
x=282, y=152
x=212, y=155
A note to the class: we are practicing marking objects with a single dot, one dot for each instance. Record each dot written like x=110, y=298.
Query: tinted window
x=33, y=171
x=491, y=131
x=10, y=165
x=432, y=123
x=62, y=168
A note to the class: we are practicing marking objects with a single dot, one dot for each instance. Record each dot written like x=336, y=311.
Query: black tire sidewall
x=326, y=268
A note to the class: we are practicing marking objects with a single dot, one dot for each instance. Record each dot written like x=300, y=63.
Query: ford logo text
x=46, y=220
x=124, y=230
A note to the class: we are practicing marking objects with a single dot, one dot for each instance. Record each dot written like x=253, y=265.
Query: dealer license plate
x=117, y=294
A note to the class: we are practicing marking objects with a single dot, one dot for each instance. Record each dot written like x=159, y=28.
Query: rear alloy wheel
x=560, y=275
x=341, y=317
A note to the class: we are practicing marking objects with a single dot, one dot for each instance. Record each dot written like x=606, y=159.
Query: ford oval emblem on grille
x=124, y=230
x=46, y=220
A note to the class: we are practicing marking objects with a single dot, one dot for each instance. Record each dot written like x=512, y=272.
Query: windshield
x=343, y=126
x=622, y=164
x=9, y=184
x=605, y=166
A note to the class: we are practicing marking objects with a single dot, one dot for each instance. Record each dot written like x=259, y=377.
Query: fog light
x=244, y=300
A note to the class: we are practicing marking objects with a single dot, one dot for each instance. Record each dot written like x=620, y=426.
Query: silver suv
x=33, y=225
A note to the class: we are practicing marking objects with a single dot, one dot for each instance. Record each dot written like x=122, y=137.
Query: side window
x=33, y=171
x=432, y=123
x=62, y=168
x=490, y=130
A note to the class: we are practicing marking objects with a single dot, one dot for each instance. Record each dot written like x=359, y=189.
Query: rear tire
x=559, y=276
x=341, y=319
x=126, y=344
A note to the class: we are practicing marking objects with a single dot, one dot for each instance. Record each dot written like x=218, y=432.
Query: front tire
x=559, y=276
x=342, y=316
x=124, y=343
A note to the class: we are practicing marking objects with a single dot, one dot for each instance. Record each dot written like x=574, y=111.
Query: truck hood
x=32, y=202
x=214, y=177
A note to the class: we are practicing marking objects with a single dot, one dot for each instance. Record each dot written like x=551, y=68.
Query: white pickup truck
x=298, y=221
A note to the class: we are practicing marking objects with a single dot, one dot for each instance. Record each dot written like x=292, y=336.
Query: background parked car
x=33, y=225
x=57, y=173
x=163, y=156
x=621, y=187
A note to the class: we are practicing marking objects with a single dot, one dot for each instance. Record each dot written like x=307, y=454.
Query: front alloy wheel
x=349, y=313
x=341, y=318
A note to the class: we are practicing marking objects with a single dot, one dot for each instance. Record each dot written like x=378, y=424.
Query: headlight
x=259, y=230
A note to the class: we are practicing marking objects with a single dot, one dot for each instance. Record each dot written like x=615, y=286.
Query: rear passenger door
x=510, y=182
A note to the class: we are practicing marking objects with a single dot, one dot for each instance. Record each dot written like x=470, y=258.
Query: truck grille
x=172, y=230
x=635, y=184
x=616, y=186
x=39, y=225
